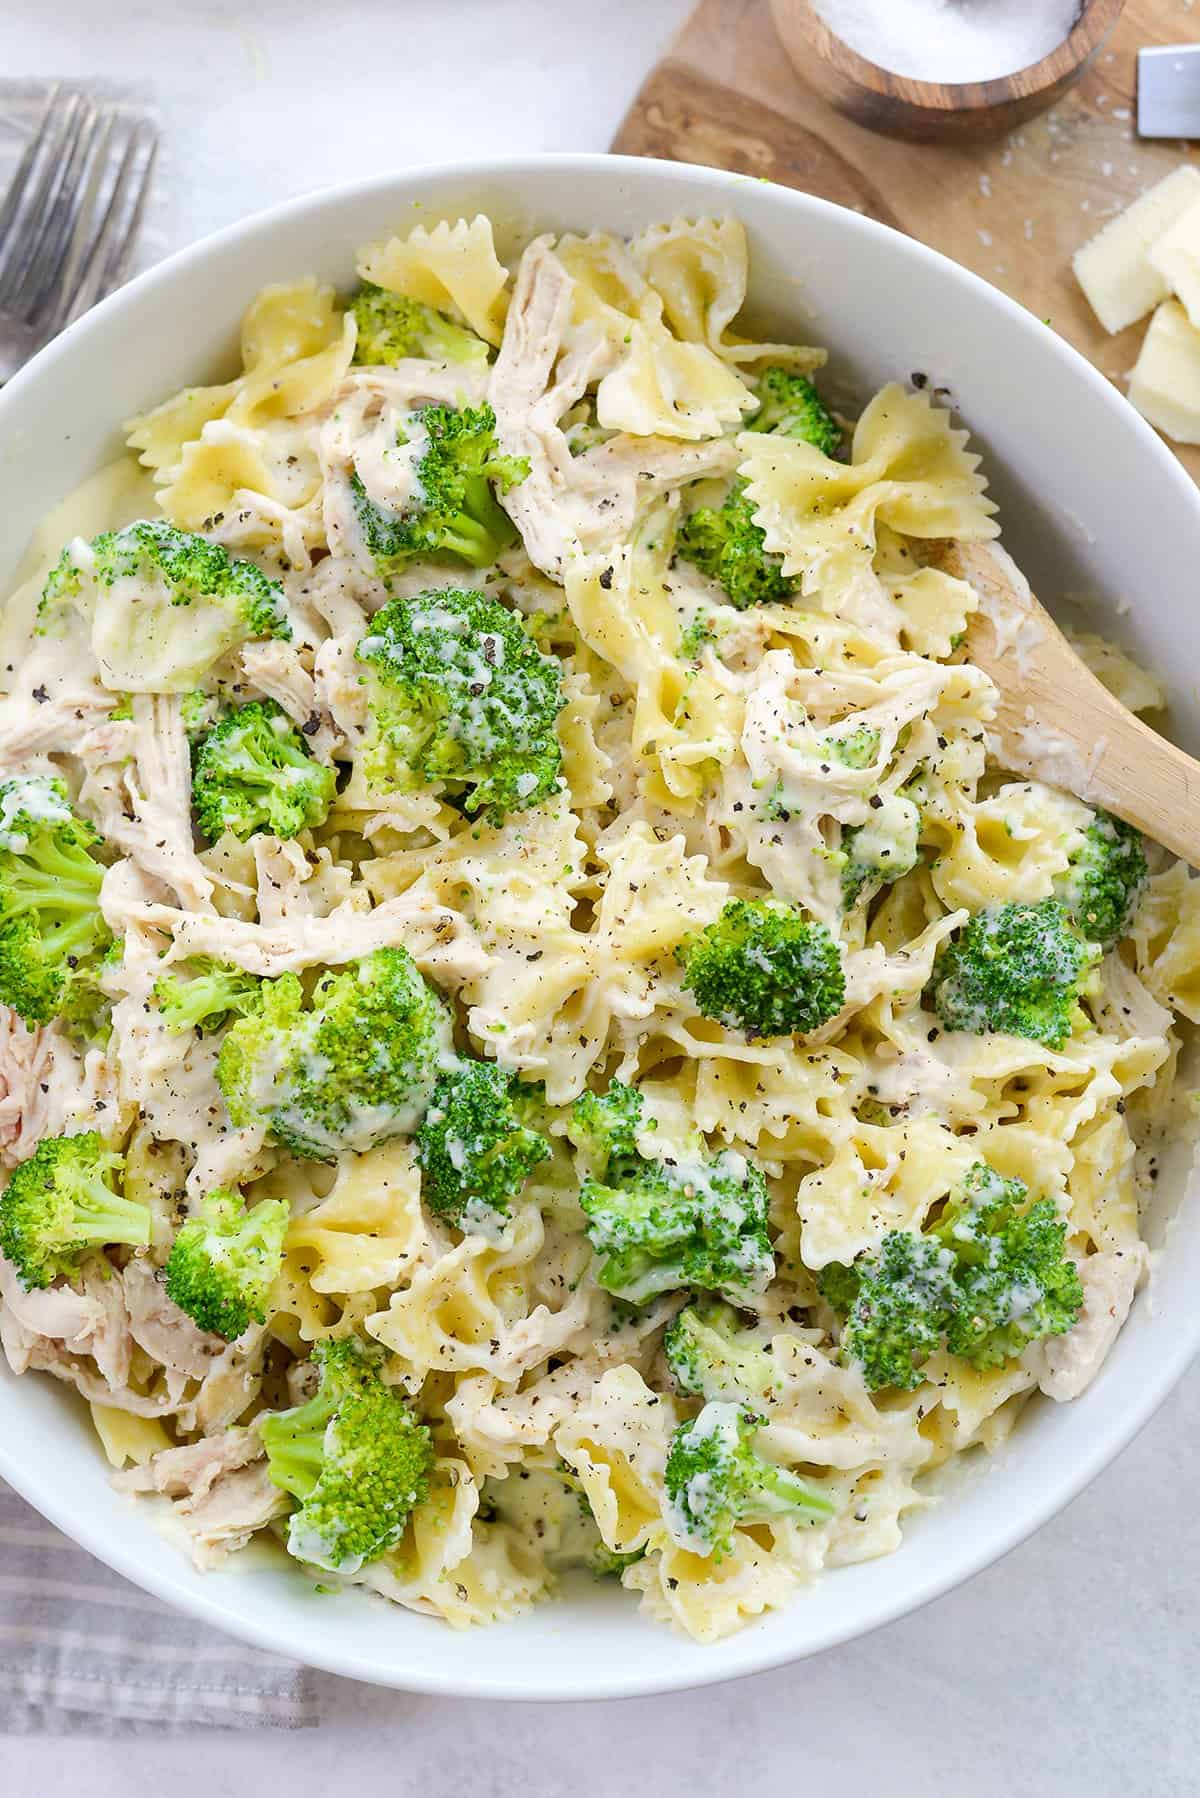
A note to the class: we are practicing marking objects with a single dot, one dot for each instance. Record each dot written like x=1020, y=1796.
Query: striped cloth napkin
x=82, y=1652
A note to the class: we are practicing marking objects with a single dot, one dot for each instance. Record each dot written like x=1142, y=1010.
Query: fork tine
x=77, y=199
x=31, y=228
x=74, y=216
x=15, y=192
x=110, y=250
x=92, y=205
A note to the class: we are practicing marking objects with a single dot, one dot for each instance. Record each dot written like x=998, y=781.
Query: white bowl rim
x=714, y=1666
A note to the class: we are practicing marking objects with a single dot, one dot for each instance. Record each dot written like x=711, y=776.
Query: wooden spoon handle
x=1056, y=722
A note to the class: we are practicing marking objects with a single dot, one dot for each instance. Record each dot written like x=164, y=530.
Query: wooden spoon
x=1056, y=722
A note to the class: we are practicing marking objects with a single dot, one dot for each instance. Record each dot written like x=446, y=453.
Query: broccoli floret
x=453, y=511
x=669, y=1223
x=357, y=1067
x=858, y=748
x=660, y=1225
x=392, y=327
x=163, y=604
x=475, y=1150
x=207, y=999
x=87, y=1006
x=883, y=849
x=253, y=772
x=725, y=543
x=765, y=969
x=460, y=695
x=898, y=1305
x=715, y=1481
x=354, y=1455
x=1015, y=1282
x=61, y=1204
x=52, y=936
x=790, y=406
x=198, y=713
x=698, y=634
x=988, y=1279
x=610, y=1563
x=711, y=1355
x=224, y=1260
x=1101, y=886
x=1016, y=968
x=605, y=1127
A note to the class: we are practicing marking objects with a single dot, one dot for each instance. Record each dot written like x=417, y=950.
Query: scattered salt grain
x=951, y=40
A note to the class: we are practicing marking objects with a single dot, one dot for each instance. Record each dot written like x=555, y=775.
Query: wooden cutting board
x=1014, y=210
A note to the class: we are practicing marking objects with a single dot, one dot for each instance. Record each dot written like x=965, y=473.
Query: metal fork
x=70, y=217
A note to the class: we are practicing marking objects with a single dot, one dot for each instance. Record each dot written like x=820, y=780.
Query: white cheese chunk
x=1115, y=271
x=1176, y=256
x=1165, y=383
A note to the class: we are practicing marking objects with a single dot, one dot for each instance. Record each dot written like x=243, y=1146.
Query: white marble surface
x=1071, y=1668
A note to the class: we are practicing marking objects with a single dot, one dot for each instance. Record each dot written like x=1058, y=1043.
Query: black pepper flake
x=311, y=725
x=606, y=578
x=41, y=695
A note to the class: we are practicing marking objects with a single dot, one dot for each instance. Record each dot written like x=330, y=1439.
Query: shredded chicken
x=47, y=1088
x=277, y=671
x=253, y=518
x=29, y=1352
x=166, y=1333
x=169, y=1077
x=138, y=789
x=220, y=1489
x=565, y=500
x=236, y=1505
x=439, y=939
x=189, y=1473
x=340, y=692
x=328, y=596
x=229, y=1158
x=55, y=701
x=1110, y=1279
x=87, y=1319
x=229, y=1389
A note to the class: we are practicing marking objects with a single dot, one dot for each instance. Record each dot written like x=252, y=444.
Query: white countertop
x=1073, y=1666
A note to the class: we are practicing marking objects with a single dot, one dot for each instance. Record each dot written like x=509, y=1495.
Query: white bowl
x=1093, y=505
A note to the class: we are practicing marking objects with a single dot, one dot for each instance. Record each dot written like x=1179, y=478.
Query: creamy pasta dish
x=536, y=1035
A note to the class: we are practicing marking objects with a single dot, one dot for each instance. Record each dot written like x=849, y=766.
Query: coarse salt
x=951, y=40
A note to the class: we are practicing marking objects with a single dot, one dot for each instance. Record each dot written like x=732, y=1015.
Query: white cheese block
x=1176, y=256
x=1165, y=383
x=1114, y=269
